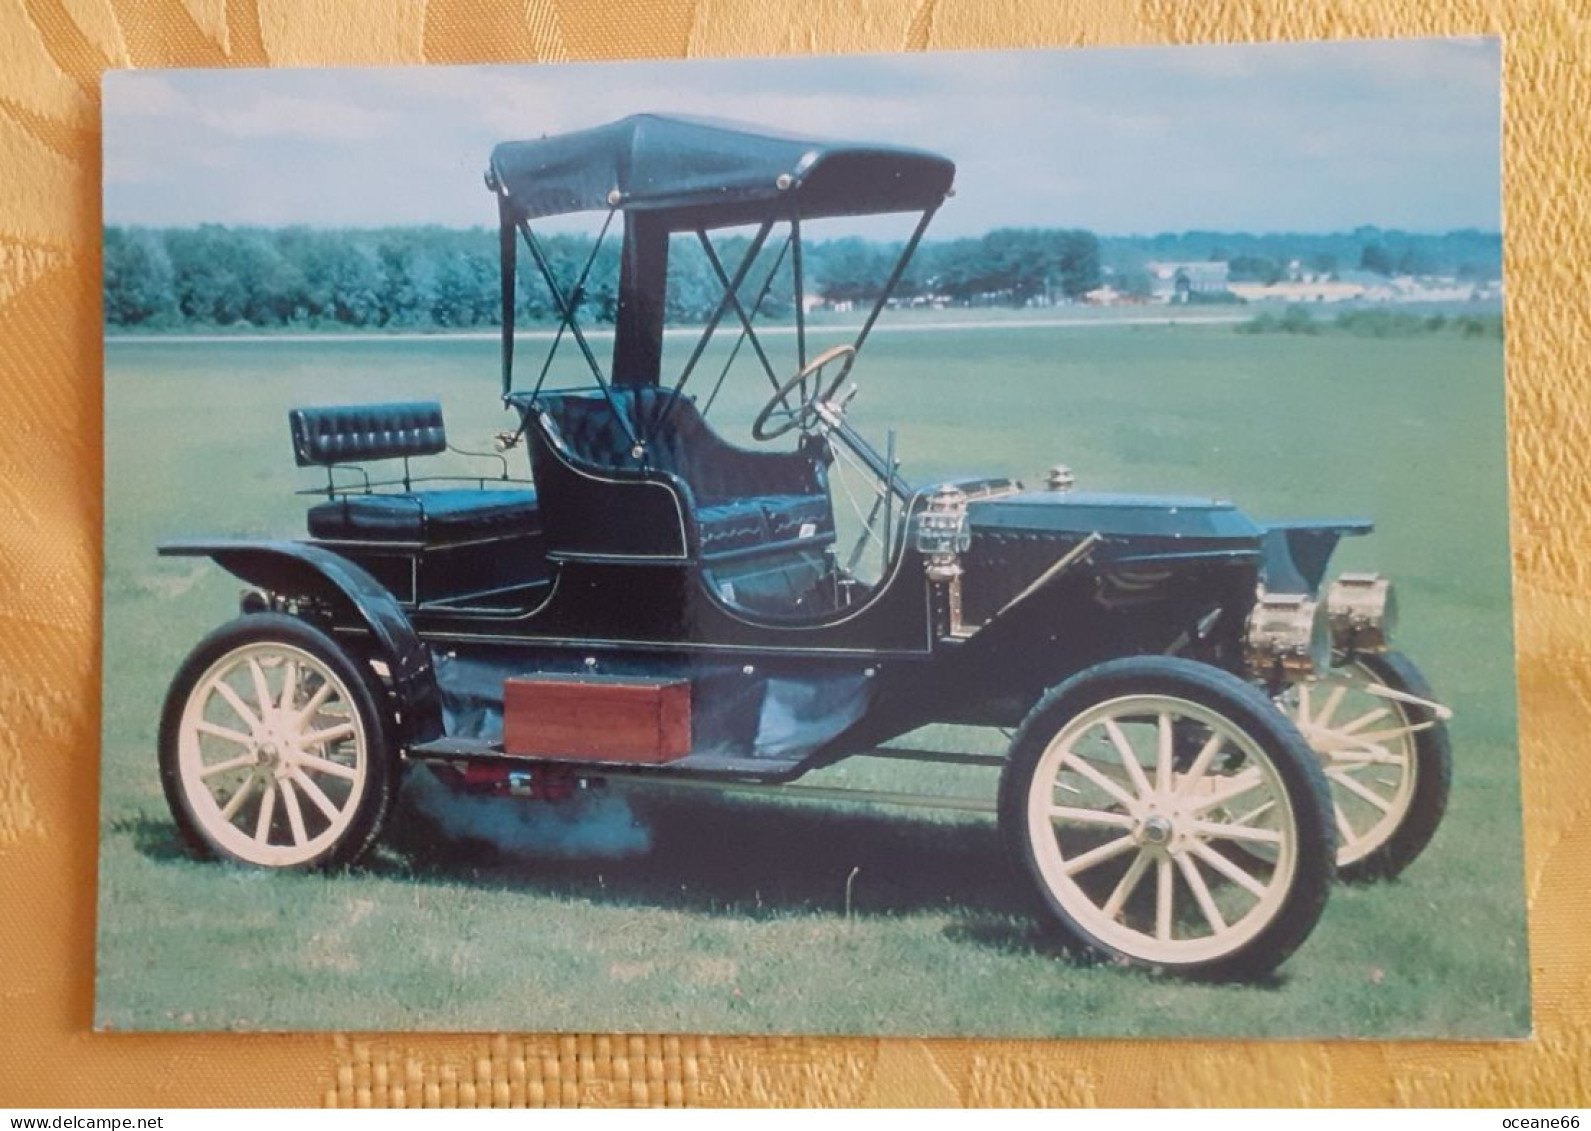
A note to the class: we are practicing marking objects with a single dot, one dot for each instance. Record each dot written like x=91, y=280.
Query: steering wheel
x=805, y=413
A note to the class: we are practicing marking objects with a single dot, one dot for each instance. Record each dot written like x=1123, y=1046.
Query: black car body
x=1142, y=645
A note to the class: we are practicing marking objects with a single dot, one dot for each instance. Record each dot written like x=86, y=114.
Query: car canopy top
x=694, y=173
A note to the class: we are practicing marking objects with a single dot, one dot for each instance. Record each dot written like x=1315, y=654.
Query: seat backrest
x=323, y=437
x=677, y=438
x=593, y=428
x=666, y=433
x=574, y=437
x=590, y=428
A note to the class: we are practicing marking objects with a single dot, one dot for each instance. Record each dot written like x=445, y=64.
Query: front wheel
x=1386, y=755
x=1130, y=800
x=274, y=750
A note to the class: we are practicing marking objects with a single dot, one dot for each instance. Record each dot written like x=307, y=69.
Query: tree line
x=444, y=278
x=439, y=278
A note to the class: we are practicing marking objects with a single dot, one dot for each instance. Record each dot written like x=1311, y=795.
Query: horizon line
x=1140, y=235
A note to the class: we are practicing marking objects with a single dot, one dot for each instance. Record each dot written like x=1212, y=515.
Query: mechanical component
x=1363, y=612
x=531, y=783
x=1287, y=637
x=1383, y=745
x=273, y=749
x=1131, y=795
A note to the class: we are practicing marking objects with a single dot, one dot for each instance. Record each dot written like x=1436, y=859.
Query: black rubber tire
x=1247, y=710
x=1433, y=775
x=373, y=804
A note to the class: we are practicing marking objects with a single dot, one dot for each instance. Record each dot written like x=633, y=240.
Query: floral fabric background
x=50, y=515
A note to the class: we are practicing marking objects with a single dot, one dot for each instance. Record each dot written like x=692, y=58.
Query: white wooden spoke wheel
x=1386, y=755
x=273, y=752
x=1141, y=791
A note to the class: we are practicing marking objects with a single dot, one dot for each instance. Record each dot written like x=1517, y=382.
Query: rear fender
x=297, y=569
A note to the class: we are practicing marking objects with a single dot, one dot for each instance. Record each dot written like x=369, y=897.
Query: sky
x=1266, y=138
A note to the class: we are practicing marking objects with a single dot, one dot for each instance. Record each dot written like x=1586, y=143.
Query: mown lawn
x=686, y=912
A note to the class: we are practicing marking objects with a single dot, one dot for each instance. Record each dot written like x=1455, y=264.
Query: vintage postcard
x=973, y=544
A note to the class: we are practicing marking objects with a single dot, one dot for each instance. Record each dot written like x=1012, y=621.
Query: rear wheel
x=1386, y=756
x=274, y=750
x=1130, y=797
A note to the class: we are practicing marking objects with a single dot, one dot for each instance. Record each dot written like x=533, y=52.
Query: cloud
x=127, y=169
x=1260, y=136
x=137, y=94
x=292, y=116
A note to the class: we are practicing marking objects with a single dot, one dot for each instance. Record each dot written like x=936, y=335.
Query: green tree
x=138, y=279
x=1253, y=269
x=1376, y=258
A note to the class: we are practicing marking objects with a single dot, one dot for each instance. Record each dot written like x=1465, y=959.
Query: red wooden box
x=597, y=718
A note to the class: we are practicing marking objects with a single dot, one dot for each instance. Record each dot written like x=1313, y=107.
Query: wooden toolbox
x=597, y=718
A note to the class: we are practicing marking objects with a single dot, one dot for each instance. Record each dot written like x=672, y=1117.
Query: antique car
x=1206, y=729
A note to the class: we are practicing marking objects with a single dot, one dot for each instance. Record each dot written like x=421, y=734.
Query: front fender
x=302, y=570
x=1295, y=554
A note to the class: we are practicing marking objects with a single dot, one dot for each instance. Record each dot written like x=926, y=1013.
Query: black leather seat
x=732, y=526
x=425, y=516
x=350, y=435
x=742, y=500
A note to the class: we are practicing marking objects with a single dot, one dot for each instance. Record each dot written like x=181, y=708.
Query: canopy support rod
x=729, y=297
x=746, y=333
x=798, y=284
x=894, y=277
x=756, y=309
x=567, y=311
x=508, y=255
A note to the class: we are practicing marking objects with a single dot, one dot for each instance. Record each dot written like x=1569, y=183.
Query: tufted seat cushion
x=732, y=526
x=355, y=433
x=796, y=516
x=425, y=516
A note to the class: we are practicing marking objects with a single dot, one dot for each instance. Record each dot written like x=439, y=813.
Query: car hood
x=1113, y=517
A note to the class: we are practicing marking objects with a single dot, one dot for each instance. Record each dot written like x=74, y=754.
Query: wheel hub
x=1156, y=830
x=273, y=751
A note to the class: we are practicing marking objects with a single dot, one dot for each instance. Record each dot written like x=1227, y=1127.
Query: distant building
x=1176, y=281
x=1303, y=290
x=1366, y=286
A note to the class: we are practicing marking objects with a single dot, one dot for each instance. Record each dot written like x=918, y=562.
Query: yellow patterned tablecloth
x=51, y=55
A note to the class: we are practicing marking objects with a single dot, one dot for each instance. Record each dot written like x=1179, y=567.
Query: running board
x=943, y=757
x=442, y=749
x=819, y=793
x=488, y=751
x=746, y=776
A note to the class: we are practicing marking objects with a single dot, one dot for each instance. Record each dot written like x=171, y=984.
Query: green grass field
x=733, y=916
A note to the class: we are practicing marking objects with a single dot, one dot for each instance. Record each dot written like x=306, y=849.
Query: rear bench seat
x=353, y=434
